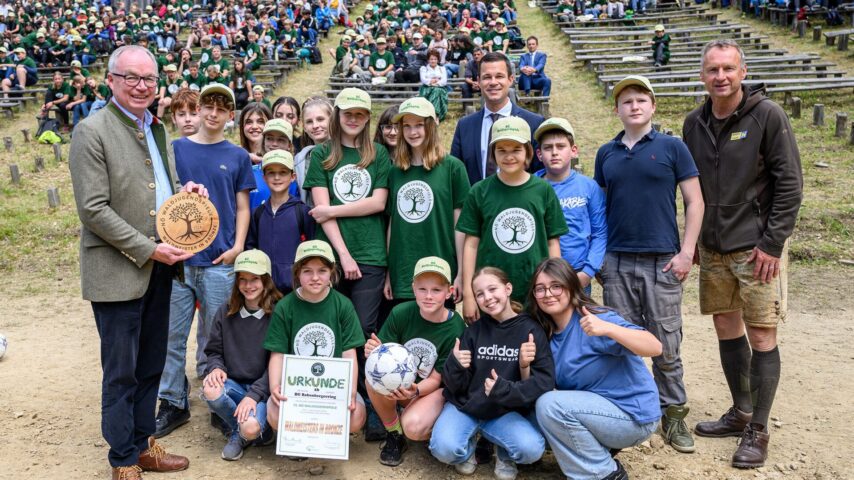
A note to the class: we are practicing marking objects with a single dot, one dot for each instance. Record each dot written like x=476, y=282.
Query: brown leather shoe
x=752, y=447
x=132, y=472
x=731, y=424
x=155, y=459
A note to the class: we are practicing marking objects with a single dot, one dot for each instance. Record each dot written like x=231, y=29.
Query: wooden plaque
x=188, y=221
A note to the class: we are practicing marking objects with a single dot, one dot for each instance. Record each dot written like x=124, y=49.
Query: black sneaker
x=393, y=448
x=374, y=429
x=169, y=417
x=618, y=474
x=266, y=438
x=483, y=451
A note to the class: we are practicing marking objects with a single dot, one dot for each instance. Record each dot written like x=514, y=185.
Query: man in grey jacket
x=750, y=174
x=122, y=170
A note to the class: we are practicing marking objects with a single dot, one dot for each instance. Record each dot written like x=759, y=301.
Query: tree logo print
x=351, y=183
x=425, y=355
x=187, y=213
x=414, y=201
x=514, y=230
x=314, y=340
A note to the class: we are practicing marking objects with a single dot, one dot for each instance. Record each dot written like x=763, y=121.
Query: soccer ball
x=390, y=366
x=3, y=343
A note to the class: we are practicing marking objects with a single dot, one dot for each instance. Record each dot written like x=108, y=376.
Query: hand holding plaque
x=188, y=221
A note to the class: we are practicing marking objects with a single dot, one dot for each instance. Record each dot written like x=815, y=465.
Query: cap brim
x=434, y=271
x=550, y=128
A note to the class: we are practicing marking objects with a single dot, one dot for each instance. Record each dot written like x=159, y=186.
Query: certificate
x=315, y=420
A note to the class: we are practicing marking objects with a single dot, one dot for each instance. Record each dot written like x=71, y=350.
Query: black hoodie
x=750, y=174
x=496, y=345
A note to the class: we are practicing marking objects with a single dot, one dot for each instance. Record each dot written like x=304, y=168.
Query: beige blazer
x=113, y=180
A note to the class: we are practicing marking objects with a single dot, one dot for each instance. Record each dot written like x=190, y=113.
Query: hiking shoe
x=393, y=448
x=169, y=417
x=752, y=447
x=618, y=474
x=374, y=429
x=731, y=424
x=505, y=470
x=233, y=450
x=675, y=430
x=466, y=468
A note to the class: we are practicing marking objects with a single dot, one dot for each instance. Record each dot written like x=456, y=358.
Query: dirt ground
x=50, y=397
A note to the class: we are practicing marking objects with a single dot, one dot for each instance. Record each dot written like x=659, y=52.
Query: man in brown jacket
x=122, y=170
x=750, y=174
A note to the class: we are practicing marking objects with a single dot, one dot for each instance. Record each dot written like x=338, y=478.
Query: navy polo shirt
x=641, y=191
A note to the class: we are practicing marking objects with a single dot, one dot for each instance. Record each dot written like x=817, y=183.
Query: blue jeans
x=582, y=427
x=455, y=432
x=96, y=105
x=81, y=110
x=232, y=394
x=452, y=69
x=638, y=5
x=211, y=286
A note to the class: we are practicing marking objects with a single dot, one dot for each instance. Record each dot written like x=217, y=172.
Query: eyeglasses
x=133, y=80
x=389, y=128
x=554, y=290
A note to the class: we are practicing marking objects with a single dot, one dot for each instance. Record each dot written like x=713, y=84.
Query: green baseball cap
x=213, y=88
x=511, y=128
x=433, y=265
x=278, y=157
x=281, y=126
x=381, y=40
x=255, y=262
x=19, y=50
x=418, y=106
x=659, y=28
x=314, y=248
x=353, y=98
x=170, y=68
x=553, y=124
x=633, y=80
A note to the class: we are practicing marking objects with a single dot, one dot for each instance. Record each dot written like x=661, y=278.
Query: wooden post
x=16, y=173
x=802, y=29
x=39, y=164
x=796, y=107
x=818, y=115
x=841, y=123
x=816, y=33
x=842, y=46
x=53, y=197
x=7, y=141
x=787, y=98
x=543, y=110
x=26, y=132
x=57, y=152
x=851, y=136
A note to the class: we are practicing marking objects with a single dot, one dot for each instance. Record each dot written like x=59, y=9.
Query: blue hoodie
x=583, y=205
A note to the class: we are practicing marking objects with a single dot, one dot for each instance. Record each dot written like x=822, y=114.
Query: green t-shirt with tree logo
x=364, y=236
x=429, y=342
x=327, y=328
x=514, y=225
x=381, y=62
x=421, y=208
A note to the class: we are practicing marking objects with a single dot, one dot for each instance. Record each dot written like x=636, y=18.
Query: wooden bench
x=697, y=88
x=842, y=35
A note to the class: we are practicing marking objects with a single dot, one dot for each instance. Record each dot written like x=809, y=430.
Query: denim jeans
x=81, y=111
x=224, y=406
x=455, y=433
x=582, y=427
x=96, y=105
x=211, y=286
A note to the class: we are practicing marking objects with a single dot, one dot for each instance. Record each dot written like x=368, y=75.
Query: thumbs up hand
x=527, y=352
x=593, y=325
x=371, y=344
x=462, y=356
x=490, y=382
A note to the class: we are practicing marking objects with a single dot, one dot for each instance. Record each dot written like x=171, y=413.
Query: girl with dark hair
x=251, y=127
x=605, y=398
x=288, y=109
x=434, y=79
x=241, y=83
x=387, y=133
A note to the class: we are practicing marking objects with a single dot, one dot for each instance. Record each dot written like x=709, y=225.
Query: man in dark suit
x=532, y=66
x=471, y=136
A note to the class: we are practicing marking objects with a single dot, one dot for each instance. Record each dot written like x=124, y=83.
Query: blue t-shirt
x=583, y=206
x=261, y=192
x=602, y=366
x=224, y=169
x=641, y=191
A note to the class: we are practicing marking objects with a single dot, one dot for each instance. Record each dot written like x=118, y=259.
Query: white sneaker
x=505, y=470
x=466, y=468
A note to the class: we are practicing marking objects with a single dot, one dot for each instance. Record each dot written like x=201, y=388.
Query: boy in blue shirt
x=226, y=170
x=644, y=263
x=581, y=199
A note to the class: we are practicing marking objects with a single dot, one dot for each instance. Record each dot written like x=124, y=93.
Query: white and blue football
x=389, y=367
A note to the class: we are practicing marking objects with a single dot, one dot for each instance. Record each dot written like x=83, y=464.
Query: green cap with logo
x=281, y=126
x=255, y=262
x=418, y=106
x=278, y=157
x=511, y=128
x=213, y=88
x=554, y=124
x=350, y=98
x=633, y=80
x=433, y=265
x=314, y=248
